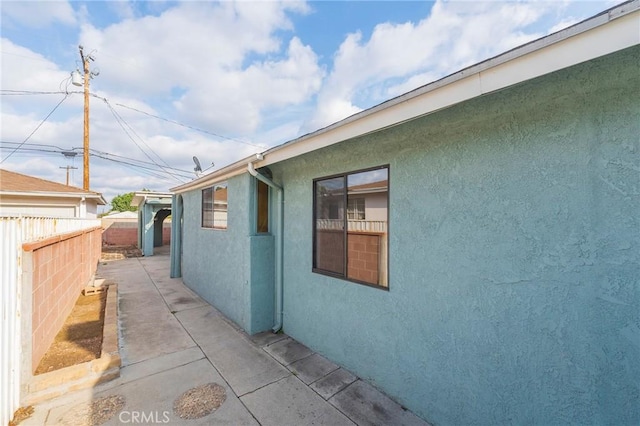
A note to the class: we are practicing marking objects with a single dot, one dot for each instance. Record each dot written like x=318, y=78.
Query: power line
x=94, y=152
x=140, y=161
x=34, y=144
x=24, y=56
x=141, y=139
x=144, y=169
x=105, y=156
x=37, y=127
x=190, y=127
x=5, y=92
x=120, y=121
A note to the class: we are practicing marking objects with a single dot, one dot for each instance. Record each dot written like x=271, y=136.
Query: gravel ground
x=98, y=412
x=199, y=401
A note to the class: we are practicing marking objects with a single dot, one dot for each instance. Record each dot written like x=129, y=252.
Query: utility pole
x=87, y=74
x=68, y=168
x=85, y=144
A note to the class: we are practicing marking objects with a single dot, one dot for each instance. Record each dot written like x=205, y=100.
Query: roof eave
x=78, y=195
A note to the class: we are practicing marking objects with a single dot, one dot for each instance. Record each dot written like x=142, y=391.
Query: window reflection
x=362, y=224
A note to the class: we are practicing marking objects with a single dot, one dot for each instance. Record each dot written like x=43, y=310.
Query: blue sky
x=238, y=76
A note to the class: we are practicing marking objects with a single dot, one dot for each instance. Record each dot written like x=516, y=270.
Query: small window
x=214, y=206
x=262, y=216
x=355, y=209
x=207, y=208
x=352, y=242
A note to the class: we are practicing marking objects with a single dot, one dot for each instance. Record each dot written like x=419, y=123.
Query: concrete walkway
x=173, y=341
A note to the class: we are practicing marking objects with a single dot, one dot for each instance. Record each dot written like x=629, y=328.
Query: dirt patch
x=80, y=339
x=119, y=252
x=199, y=401
x=21, y=414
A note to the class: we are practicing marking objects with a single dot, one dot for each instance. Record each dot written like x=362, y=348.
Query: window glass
x=207, y=208
x=355, y=209
x=220, y=206
x=329, y=225
x=262, y=193
x=214, y=206
x=363, y=226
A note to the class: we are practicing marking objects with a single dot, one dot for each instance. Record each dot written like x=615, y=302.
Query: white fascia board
x=149, y=196
x=78, y=195
x=35, y=203
x=608, y=32
x=514, y=67
x=227, y=172
x=596, y=42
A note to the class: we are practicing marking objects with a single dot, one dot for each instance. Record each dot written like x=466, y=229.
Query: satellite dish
x=198, y=167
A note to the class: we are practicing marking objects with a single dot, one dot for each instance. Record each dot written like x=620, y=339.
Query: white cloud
x=233, y=101
x=23, y=69
x=453, y=36
x=223, y=59
x=38, y=14
x=235, y=69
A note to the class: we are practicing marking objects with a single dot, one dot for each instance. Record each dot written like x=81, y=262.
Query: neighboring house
x=499, y=284
x=153, y=209
x=30, y=196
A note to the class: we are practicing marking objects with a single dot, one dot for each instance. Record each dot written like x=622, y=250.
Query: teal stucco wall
x=514, y=255
x=232, y=268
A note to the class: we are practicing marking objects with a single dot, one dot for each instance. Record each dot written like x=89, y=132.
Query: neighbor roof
x=12, y=183
x=610, y=31
x=151, y=197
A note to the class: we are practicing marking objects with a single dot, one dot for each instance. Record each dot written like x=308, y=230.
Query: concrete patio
x=172, y=341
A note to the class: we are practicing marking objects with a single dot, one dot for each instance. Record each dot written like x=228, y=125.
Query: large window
x=350, y=226
x=214, y=206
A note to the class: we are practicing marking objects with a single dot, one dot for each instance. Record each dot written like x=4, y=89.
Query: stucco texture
x=215, y=261
x=514, y=255
x=233, y=269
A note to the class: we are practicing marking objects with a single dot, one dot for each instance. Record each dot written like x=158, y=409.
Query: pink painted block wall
x=62, y=267
x=126, y=234
x=114, y=236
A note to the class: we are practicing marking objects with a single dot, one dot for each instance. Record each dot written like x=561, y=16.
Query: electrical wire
x=141, y=139
x=140, y=161
x=5, y=92
x=191, y=127
x=92, y=151
x=36, y=129
x=35, y=144
x=120, y=121
x=144, y=169
x=147, y=170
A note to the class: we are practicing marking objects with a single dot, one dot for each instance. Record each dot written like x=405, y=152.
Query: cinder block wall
x=120, y=233
x=363, y=257
x=166, y=233
x=61, y=266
